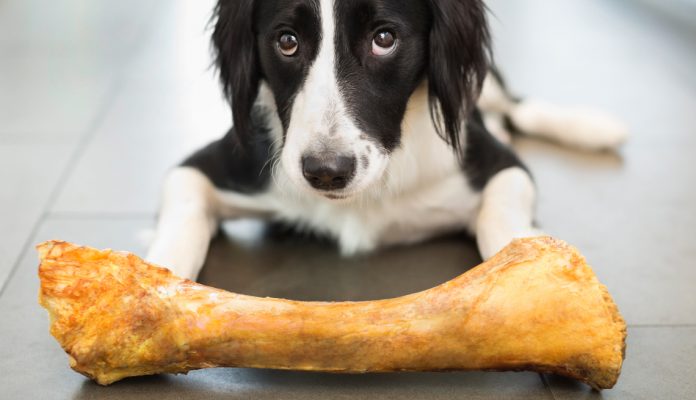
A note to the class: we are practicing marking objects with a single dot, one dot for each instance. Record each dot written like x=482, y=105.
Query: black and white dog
x=375, y=122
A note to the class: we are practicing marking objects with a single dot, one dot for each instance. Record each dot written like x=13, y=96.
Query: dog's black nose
x=328, y=171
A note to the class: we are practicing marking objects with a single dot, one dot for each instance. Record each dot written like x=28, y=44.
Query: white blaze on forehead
x=319, y=94
x=318, y=115
x=320, y=121
x=323, y=71
x=318, y=109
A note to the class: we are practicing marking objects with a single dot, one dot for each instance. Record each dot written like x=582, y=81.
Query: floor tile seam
x=98, y=215
x=146, y=30
x=545, y=382
x=81, y=145
x=79, y=148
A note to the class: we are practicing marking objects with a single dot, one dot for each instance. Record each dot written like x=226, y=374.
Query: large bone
x=534, y=306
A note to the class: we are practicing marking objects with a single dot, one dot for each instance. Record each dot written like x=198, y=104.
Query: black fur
x=244, y=40
x=237, y=60
x=233, y=166
x=285, y=75
x=485, y=156
x=459, y=59
x=376, y=89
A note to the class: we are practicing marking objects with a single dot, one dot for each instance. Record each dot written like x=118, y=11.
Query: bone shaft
x=417, y=332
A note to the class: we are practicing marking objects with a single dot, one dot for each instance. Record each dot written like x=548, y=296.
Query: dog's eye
x=383, y=43
x=288, y=44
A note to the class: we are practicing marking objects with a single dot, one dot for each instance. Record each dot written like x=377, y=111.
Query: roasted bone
x=534, y=306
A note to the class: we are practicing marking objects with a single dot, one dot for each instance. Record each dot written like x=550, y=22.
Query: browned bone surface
x=535, y=306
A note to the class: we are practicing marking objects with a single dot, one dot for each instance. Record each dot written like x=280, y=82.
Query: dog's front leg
x=188, y=220
x=507, y=211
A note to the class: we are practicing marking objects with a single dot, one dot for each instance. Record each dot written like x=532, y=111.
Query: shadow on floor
x=274, y=262
x=243, y=383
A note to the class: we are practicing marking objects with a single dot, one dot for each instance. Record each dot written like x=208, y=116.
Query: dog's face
x=341, y=73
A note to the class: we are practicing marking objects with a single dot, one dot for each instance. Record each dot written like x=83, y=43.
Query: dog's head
x=341, y=73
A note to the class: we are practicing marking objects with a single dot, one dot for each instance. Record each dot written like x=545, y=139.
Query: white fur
x=495, y=103
x=507, y=211
x=188, y=218
x=493, y=97
x=576, y=126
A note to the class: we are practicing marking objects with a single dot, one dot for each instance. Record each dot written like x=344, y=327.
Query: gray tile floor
x=98, y=98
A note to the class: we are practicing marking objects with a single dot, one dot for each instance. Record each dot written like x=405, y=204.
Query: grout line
x=146, y=30
x=84, y=140
x=547, y=385
x=76, y=215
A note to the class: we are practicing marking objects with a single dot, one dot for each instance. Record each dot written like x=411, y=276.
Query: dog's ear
x=236, y=58
x=459, y=59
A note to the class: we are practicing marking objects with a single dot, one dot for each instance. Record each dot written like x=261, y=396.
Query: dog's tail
x=574, y=126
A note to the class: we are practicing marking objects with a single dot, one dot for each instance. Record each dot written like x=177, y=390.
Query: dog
x=373, y=122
